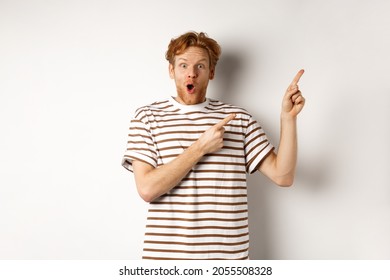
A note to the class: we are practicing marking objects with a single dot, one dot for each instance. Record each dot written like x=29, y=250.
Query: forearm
x=158, y=181
x=286, y=158
x=153, y=182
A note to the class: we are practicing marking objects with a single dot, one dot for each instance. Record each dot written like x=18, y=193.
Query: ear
x=212, y=73
x=171, y=71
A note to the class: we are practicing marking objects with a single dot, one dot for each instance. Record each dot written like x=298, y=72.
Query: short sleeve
x=140, y=145
x=256, y=146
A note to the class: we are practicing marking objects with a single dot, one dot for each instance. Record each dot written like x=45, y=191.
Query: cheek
x=179, y=74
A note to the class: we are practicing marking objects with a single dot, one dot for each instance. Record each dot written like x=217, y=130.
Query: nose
x=192, y=72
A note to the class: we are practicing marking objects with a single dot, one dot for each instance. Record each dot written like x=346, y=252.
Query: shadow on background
x=310, y=172
x=228, y=77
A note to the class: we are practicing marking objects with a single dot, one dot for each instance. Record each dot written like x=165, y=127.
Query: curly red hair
x=193, y=39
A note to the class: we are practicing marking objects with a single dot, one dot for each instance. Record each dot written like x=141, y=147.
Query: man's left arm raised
x=280, y=166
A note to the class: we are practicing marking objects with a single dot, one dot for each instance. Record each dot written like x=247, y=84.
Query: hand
x=212, y=139
x=293, y=100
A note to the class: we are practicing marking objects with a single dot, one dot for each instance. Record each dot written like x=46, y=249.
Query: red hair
x=193, y=39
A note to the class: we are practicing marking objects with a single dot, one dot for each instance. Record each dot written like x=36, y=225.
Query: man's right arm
x=153, y=182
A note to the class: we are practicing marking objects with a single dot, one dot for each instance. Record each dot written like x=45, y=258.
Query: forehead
x=194, y=54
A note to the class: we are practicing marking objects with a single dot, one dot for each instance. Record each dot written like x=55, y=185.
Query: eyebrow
x=203, y=59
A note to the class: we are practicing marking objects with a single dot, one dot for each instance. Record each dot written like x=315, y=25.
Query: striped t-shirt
x=206, y=215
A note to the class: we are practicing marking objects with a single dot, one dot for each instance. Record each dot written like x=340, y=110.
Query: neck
x=179, y=100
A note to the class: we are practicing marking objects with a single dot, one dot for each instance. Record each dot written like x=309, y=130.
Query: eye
x=200, y=66
x=183, y=65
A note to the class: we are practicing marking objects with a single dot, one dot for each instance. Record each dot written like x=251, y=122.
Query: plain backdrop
x=72, y=73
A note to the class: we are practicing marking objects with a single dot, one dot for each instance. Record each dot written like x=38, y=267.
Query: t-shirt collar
x=189, y=108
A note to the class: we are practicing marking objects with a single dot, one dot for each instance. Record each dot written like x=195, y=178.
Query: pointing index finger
x=226, y=120
x=297, y=77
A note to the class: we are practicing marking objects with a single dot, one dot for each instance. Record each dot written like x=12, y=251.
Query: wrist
x=287, y=117
x=196, y=149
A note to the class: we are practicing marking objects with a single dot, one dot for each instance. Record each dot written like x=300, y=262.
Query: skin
x=193, y=67
x=280, y=167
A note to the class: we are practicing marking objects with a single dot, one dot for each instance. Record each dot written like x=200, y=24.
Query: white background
x=73, y=72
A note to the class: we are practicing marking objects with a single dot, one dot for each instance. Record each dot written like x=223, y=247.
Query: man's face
x=191, y=72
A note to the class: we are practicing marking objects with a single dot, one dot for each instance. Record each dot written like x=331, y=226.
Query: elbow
x=285, y=184
x=286, y=181
x=146, y=194
x=147, y=198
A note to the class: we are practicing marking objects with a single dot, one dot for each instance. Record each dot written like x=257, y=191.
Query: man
x=190, y=156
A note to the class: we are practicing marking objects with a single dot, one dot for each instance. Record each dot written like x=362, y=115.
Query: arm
x=280, y=167
x=153, y=182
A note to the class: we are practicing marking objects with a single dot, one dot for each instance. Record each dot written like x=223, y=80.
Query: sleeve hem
x=255, y=164
x=127, y=161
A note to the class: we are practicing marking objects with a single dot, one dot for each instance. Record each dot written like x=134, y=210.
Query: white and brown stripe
x=206, y=215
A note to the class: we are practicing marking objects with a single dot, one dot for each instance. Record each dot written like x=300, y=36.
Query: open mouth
x=190, y=88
